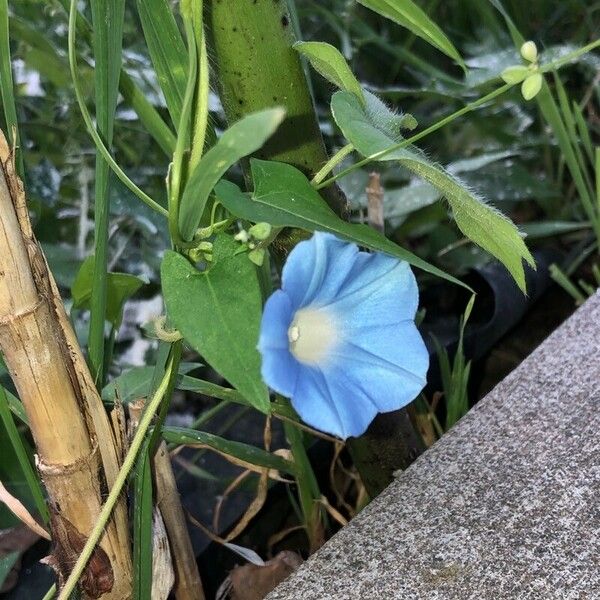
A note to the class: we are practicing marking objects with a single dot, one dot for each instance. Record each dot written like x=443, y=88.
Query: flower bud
x=529, y=51
x=241, y=236
x=260, y=231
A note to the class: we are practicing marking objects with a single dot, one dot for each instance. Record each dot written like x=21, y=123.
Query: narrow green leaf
x=241, y=139
x=552, y=116
x=584, y=132
x=284, y=197
x=107, y=34
x=148, y=115
x=16, y=407
x=142, y=526
x=250, y=454
x=481, y=223
x=571, y=126
x=542, y=229
x=408, y=14
x=137, y=383
x=6, y=85
x=132, y=94
x=218, y=312
x=167, y=52
x=23, y=457
x=331, y=64
x=120, y=287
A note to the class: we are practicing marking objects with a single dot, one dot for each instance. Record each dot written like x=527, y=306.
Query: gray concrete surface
x=506, y=505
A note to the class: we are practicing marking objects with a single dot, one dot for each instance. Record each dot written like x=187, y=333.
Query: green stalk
x=115, y=492
x=415, y=138
x=107, y=35
x=176, y=182
x=200, y=124
x=308, y=488
x=335, y=160
x=258, y=69
x=142, y=525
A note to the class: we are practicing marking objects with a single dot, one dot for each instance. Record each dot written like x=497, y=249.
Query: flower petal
x=316, y=268
x=386, y=364
x=276, y=319
x=379, y=290
x=279, y=368
x=327, y=404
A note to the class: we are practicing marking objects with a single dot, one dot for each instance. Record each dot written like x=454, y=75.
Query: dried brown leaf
x=251, y=582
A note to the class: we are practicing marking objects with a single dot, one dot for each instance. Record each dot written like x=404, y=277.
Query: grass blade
x=7, y=87
x=18, y=445
x=167, y=52
x=407, y=14
x=246, y=453
x=142, y=527
x=149, y=117
x=107, y=34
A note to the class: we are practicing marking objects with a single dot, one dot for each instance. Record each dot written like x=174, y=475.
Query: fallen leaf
x=251, y=582
x=15, y=540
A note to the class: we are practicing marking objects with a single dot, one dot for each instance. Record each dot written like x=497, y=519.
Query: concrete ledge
x=505, y=506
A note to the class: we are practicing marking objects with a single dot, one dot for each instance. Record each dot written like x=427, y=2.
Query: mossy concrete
x=505, y=506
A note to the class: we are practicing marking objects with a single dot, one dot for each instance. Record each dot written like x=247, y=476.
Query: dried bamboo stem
x=188, y=585
x=77, y=451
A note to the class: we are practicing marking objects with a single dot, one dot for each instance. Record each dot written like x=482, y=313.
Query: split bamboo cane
x=77, y=454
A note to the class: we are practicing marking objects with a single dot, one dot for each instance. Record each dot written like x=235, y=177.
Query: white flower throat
x=312, y=335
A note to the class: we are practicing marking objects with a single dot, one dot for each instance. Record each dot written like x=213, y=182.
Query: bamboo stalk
x=257, y=69
x=77, y=452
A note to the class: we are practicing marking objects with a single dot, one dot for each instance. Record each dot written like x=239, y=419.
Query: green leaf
x=331, y=64
x=515, y=74
x=107, y=37
x=542, y=229
x=218, y=312
x=7, y=562
x=120, y=287
x=532, y=86
x=137, y=383
x=167, y=52
x=242, y=138
x=142, y=525
x=20, y=449
x=481, y=223
x=250, y=454
x=407, y=14
x=284, y=197
x=6, y=85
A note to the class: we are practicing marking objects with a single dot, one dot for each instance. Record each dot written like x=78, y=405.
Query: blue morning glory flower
x=339, y=338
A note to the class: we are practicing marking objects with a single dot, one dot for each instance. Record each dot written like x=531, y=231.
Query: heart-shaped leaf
x=218, y=312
